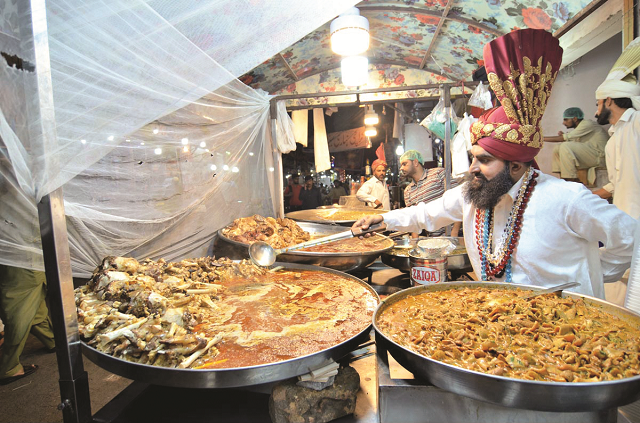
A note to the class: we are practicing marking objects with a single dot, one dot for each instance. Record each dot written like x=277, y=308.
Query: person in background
x=336, y=192
x=292, y=192
x=520, y=225
x=310, y=195
x=23, y=310
x=582, y=148
x=618, y=101
x=427, y=184
x=375, y=192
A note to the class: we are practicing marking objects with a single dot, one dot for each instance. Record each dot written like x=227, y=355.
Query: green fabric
x=573, y=112
x=22, y=309
x=412, y=155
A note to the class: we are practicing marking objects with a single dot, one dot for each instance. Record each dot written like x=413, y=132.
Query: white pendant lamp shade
x=370, y=116
x=349, y=33
x=355, y=70
x=370, y=131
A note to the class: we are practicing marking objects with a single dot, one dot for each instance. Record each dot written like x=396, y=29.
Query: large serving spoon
x=556, y=288
x=265, y=255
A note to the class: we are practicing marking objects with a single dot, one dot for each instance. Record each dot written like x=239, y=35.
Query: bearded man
x=521, y=225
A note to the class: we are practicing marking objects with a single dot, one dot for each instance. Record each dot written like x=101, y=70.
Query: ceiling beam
x=288, y=67
x=429, y=12
x=445, y=12
x=374, y=61
x=578, y=17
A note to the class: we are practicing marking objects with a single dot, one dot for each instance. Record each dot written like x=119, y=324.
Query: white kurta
x=561, y=227
x=623, y=163
x=373, y=190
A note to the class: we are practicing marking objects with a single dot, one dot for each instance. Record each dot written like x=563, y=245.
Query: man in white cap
x=618, y=100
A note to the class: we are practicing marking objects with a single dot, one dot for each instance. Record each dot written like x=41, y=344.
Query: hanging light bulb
x=370, y=131
x=370, y=116
x=349, y=33
x=355, y=70
x=400, y=150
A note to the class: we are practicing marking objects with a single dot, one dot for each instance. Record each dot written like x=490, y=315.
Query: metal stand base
x=415, y=401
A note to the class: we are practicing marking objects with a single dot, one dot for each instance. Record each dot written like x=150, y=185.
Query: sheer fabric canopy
x=157, y=144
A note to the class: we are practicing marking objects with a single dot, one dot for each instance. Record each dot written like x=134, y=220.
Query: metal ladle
x=556, y=288
x=265, y=255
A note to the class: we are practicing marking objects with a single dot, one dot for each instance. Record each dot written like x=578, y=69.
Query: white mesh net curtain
x=154, y=142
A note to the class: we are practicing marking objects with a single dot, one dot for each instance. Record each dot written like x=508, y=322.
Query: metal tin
x=427, y=271
x=509, y=392
x=401, y=261
x=233, y=377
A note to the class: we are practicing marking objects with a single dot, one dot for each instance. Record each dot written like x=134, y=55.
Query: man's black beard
x=485, y=194
x=604, y=116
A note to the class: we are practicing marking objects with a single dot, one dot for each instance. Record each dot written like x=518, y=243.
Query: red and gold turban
x=521, y=68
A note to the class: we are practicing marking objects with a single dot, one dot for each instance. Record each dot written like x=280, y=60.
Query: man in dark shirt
x=310, y=195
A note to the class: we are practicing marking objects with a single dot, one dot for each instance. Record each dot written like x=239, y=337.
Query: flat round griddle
x=511, y=392
x=232, y=377
x=346, y=262
x=323, y=214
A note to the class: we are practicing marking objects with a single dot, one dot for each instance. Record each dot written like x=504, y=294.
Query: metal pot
x=398, y=256
x=346, y=262
x=510, y=392
x=233, y=377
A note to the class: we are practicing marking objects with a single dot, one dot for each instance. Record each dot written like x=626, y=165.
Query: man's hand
x=560, y=133
x=378, y=204
x=365, y=222
x=603, y=193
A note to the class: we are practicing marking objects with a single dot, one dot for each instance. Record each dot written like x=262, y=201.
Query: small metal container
x=427, y=271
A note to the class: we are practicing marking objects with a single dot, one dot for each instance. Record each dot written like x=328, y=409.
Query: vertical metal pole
x=277, y=160
x=447, y=144
x=447, y=136
x=74, y=383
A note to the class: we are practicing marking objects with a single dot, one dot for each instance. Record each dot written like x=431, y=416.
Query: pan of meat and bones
x=346, y=255
x=219, y=323
x=560, y=353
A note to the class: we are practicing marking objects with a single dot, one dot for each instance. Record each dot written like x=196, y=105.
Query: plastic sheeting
x=155, y=143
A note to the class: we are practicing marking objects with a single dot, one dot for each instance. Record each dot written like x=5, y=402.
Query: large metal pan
x=234, y=377
x=346, y=262
x=398, y=256
x=509, y=392
x=323, y=214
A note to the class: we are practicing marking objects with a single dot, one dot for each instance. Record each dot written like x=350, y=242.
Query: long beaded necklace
x=498, y=263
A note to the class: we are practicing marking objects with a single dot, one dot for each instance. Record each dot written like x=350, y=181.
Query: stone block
x=290, y=403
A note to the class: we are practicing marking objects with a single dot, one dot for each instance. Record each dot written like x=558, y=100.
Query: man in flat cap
x=521, y=225
x=582, y=148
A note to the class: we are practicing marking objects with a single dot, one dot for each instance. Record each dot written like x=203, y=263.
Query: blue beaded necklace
x=498, y=264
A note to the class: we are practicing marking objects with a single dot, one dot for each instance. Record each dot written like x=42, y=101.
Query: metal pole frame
x=74, y=381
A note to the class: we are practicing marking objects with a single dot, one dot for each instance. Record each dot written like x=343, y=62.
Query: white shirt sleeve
x=595, y=220
x=365, y=193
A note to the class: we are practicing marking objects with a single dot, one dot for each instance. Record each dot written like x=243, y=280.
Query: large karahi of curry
x=494, y=331
x=217, y=314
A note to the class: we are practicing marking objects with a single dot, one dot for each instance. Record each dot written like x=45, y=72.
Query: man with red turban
x=521, y=225
x=375, y=191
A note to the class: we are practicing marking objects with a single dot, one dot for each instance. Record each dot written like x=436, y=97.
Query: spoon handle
x=551, y=289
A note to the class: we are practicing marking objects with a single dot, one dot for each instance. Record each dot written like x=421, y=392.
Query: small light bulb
x=272, y=169
x=158, y=151
x=185, y=141
x=203, y=144
x=214, y=167
x=251, y=153
x=83, y=141
x=142, y=143
x=110, y=138
x=128, y=140
x=235, y=169
x=185, y=149
x=225, y=167
x=155, y=131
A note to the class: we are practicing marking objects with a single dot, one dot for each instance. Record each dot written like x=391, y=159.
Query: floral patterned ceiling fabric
x=402, y=33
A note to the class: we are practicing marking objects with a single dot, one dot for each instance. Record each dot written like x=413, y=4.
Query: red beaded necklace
x=495, y=265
